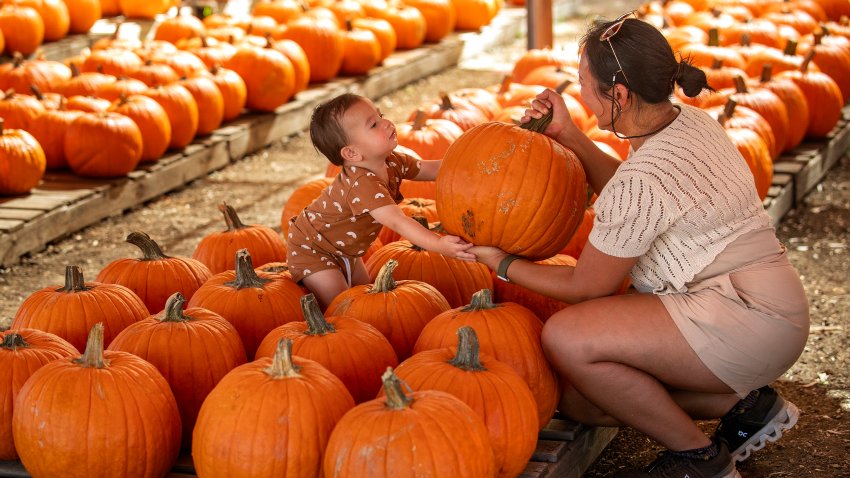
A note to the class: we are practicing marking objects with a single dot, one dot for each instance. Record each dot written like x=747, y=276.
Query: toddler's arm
x=392, y=217
x=428, y=170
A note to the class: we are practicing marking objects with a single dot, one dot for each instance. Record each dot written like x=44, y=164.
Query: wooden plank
x=550, y=451
x=560, y=429
x=583, y=452
x=13, y=469
x=535, y=469
x=20, y=214
x=8, y=225
x=781, y=203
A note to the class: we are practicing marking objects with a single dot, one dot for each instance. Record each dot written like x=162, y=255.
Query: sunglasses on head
x=606, y=36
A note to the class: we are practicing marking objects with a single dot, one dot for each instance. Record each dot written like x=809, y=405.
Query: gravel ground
x=816, y=234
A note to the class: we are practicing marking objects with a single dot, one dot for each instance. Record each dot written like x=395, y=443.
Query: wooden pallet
x=565, y=449
x=64, y=203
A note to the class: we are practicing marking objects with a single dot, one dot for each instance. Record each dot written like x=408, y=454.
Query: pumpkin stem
x=766, y=72
x=317, y=324
x=246, y=276
x=13, y=341
x=230, y=217
x=384, y=282
x=274, y=269
x=538, y=125
x=717, y=63
x=481, y=300
x=722, y=118
x=93, y=356
x=174, y=309
x=37, y=92
x=790, y=48
x=74, y=281
x=396, y=398
x=419, y=120
x=563, y=86
x=2, y=124
x=468, y=351
x=506, y=85
x=740, y=84
x=729, y=109
x=447, y=101
x=713, y=37
x=745, y=39
x=282, y=366
x=806, y=61
x=150, y=249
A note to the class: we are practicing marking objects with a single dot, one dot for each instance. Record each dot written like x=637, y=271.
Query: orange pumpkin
x=361, y=52
x=507, y=331
x=71, y=414
x=356, y=352
x=300, y=198
x=440, y=17
x=218, y=249
x=87, y=104
x=122, y=86
x=399, y=310
x=192, y=349
x=154, y=74
x=182, y=111
x=490, y=387
x=254, y=302
x=754, y=150
x=69, y=311
x=50, y=129
x=282, y=11
x=22, y=161
x=152, y=121
x=113, y=61
x=286, y=439
x=795, y=103
x=422, y=209
x=22, y=352
x=22, y=27
x=499, y=201
x=19, y=111
x=56, y=18
x=300, y=64
x=210, y=102
x=473, y=14
x=455, y=109
x=323, y=43
x=82, y=83
x=384, y=32
x=821, y=90
x=179, y=27
x=233, y=91
x=83, y=14
x=268, y=74
x=430, y=138
x=117, y=151
x=449, y=439
x=408, y=23
x=143, y=8
x=536, y=57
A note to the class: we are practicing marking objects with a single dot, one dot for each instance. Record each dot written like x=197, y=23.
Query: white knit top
x=676, y=203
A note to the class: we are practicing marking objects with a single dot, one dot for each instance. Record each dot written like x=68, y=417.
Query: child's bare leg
x=359, y=275
x=326, y=285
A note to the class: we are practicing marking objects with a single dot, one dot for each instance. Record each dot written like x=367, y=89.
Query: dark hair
x=326, y=130
x=650, y=67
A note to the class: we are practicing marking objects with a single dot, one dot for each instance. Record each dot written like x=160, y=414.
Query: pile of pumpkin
x=198, y=74
x=235, y=363
x=26, y=24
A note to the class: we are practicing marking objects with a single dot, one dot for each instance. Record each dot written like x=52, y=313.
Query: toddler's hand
x=455, y=247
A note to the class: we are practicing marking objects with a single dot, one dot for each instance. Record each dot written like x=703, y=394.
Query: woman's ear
x=621, y=93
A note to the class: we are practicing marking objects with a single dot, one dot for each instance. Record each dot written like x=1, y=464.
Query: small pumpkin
x=22, y=161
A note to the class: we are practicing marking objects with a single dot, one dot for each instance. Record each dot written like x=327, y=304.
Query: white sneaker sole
x=784, y=420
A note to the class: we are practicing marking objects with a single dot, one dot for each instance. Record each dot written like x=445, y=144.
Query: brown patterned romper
x=337, y=226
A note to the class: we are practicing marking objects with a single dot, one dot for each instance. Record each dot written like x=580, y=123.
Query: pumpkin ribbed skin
x=268, y=74
x=354, y=351
x=822, y=91
x=300, y=198
x=426, y=433
x=154, y=277
x=22, y=161
x=105, y=414
x=255, y=302
x=82, y=14
x=507, y=331
x=192, y=349
x=323, y=43
x=795, y=103
x=182, y=111
x=457, y=280
x=498, y=200
x=210, y=102
x=71, y=310
x=152, y=121
x=117, y=151
x=22, y=27
x=233, y=91
x=399, y=310
x=430, y=138
x=754, y=150
x=218, y=249
x=415, y=208
x=491, y=388
x=22, y=352
x=293, y=404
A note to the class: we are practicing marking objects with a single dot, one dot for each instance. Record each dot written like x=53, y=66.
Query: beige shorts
x=748, y=324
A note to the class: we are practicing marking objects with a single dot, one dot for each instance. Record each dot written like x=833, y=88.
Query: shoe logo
x=742, y=434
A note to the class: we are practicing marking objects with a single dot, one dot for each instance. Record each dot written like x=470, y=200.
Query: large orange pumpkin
x=22, y=352
x=218, y=249
x=210, y=102
x=795, y=103
x=182, y=111
x=268, y=74
x=22, y=27
x=498, y=200
x=233, y=91
x=507, y=331
x=192, y=349
x=300, y=198
x=294, y=403
x=430, y=138
x=152, y=121
x=354, y=351
x=491, y=388
x=398, y=309
x=22, y=161
x=822, y=94
x=103, y=414
x=429, y=431
x=83, y=14
x=143, y=8
x=255, y=302
x=117, y=151
x=323, y=43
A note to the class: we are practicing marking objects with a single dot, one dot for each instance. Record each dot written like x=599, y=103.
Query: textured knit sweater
x=676, y=203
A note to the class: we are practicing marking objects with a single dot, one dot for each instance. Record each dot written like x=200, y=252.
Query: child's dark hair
x=651, y=69
x=326, y=131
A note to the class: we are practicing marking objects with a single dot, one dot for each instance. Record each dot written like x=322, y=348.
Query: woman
x=720, y=312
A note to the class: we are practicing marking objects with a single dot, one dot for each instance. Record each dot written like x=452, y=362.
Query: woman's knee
x=562, y=339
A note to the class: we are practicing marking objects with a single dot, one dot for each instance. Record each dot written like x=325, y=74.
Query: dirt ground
x=816, y=234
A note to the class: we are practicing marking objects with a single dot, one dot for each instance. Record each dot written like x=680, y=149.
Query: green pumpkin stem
x=538, y=125
x=316, y=322
x=282, y=366
x=13, y=341
x=174, y=309
x=230, y=217
x=246, y=276
x=481, y=300
x=93, y=356
x=468, y=351
x=150, y=249
x=384, y=282
x=396, y=398
x=74, y=280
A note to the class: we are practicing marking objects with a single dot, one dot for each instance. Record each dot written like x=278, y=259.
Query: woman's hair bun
x=690, y=78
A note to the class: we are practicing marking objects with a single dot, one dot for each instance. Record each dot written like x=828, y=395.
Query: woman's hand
x=488, y=255
x=456, y=248
x=545, y=101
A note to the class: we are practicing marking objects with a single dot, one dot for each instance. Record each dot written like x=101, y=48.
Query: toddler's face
x=368, y=131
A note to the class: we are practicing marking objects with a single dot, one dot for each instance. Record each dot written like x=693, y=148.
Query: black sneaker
x=759, y=418
x=670, y=464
